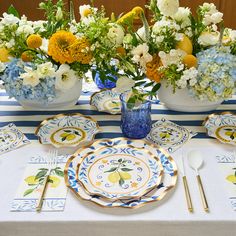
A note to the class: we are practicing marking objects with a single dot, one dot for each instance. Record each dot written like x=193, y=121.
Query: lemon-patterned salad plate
x=106, y=101
x=67, y=130
x=154, y=194
x=222, y=127
x=117, y=171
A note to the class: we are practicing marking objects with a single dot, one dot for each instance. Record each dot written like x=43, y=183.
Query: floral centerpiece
x=42, y=62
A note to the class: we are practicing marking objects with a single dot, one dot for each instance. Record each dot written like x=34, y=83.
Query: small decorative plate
x=11, y=138
x=106, y=101
x=155, y=194
x=169, y=135
x=222, y=127
x=67, y=130
x=119, y=171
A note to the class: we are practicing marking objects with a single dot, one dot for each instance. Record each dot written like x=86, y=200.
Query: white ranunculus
x=124, y=84
x=168, y=7
x=46, y=70
x=182, y=16
x=65, y=78
x=208, y=38
x=25, y=29
x=215, y=18
x=2, y=67
x=141, y=55
x=30, y=77
x=116, y=34
x=9, y=19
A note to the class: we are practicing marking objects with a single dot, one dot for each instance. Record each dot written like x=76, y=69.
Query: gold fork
x=52, y=163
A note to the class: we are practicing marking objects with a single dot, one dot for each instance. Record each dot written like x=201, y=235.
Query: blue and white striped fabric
x=27, y=121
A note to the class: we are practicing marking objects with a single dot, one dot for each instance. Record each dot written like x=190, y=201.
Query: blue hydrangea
x=216, y=74
x=44, y=91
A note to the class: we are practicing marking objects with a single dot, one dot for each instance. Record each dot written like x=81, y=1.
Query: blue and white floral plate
x=222, y=127
x=155, y=194
x=169, y=135
x=106, y=101
x=67, y=130
x=119, y=171
x=11, y=138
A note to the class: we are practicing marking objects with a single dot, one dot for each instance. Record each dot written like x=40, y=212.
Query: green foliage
x=12, y=10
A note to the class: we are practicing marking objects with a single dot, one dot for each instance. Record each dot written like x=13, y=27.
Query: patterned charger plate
x=154, y=194
x=106, y=101
x=119, y=171
x=169, y=135
x=67, y=130
x=222, y=127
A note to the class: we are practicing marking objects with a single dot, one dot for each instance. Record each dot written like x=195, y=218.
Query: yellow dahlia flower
x=34, y=41
x=59, y=46
x=80, y=51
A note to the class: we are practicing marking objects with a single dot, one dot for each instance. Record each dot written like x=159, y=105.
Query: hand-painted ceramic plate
x=67, y=130
x=119, y=171
x=169, y=135
x=106, y=101
x=11, y=138
x=155, y=194
x=222, y=127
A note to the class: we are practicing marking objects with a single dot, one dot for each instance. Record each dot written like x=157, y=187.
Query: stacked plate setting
x=120, y=173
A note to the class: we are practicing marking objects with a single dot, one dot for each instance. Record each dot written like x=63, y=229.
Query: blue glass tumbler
x=136, y=122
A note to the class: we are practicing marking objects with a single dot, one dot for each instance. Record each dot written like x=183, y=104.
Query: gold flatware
x=186, y=188
x=195, y=162
x=51, y=162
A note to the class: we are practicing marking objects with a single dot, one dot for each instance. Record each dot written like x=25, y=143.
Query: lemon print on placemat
x=232, y=178
x=67, y=135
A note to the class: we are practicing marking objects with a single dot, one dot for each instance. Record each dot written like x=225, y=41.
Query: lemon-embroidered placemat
x=11, y=138
x=31, y=185
x=227, y=164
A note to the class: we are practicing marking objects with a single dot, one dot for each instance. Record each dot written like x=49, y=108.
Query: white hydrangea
x=182, y=16
x=65, y=78
x=173, y=57
x=9, y=19
x=168, y=7
x=141, y=55
x=116, y=34
x=25, y=29
x=209, y=38
x=189, y=77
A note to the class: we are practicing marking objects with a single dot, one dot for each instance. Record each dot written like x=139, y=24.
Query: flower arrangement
x=39, y=58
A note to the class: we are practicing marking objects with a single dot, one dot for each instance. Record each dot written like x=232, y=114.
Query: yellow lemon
x=70, y=137
x=190, y=61
x=125, y=175
x=114, y=177
x=63, y=135
x=185, y=44
x=231, y=178
x=31, y=180
x=55, y=181
x=4, y=55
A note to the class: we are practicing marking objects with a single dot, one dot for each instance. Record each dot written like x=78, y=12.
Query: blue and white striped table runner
x=27, y=121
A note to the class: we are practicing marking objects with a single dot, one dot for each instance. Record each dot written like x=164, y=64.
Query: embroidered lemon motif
x=54, y=181
x=232, y=178
x=31, y=180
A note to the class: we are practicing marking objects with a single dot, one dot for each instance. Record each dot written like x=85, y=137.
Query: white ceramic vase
x=62, y=100
x=182, y=101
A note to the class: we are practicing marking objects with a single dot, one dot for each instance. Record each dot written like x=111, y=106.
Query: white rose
x=208, y=38
x=45, y=70
x=124, y=84
x=116, y=34
x=168, y=7
x=30, y=77
x=65, y=78
x=182, y=16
